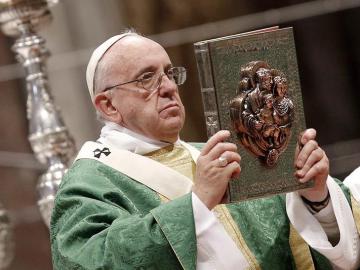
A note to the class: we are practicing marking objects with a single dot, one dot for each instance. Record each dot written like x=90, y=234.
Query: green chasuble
x=103, y=219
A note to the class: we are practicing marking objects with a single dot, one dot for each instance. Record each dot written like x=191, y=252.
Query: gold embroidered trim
x=356, y=212
x=232, y=229
x=177, y=158
x=300, y=251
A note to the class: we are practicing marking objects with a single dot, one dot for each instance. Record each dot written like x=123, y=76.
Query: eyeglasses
x=151, y=81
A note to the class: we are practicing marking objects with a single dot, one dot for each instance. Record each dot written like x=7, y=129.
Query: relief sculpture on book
x=262, y=113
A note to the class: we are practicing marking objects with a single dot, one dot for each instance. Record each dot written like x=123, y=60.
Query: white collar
x=115, y=135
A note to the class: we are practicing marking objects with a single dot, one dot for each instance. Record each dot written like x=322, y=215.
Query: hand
x=311, y=162
x=212, y=177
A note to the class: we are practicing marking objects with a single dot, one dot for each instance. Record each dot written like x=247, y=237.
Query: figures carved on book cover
x=262, y=112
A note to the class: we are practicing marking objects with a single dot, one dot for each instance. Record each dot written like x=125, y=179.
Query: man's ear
x=103, y=103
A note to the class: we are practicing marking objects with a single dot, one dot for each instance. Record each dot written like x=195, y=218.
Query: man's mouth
x=169, y=105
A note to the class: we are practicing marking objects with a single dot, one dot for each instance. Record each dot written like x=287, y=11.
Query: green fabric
x=269, y=240
x=102, y=220
x=169, y=219
x=320, y=261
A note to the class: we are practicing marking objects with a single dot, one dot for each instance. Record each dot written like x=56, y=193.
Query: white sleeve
x=327, y=220
x=215, y=248
x=345, y=255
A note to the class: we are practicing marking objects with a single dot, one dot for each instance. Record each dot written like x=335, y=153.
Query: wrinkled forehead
x=134, y=51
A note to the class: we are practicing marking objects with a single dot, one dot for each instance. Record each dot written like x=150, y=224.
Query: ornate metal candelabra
x=6, y=243
x=48, y=135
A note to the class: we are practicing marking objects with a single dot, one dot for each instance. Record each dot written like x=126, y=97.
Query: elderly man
x=140, y=198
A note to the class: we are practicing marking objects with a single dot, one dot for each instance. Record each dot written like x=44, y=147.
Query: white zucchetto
x=96, y=56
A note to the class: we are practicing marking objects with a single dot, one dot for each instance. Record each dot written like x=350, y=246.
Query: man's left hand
x=311, y=162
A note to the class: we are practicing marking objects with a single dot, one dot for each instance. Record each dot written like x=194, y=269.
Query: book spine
x=208, y=94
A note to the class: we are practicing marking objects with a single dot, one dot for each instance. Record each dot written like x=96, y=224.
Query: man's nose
x=167, y=86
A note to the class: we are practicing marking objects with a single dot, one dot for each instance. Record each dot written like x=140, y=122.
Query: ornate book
x=250, y=86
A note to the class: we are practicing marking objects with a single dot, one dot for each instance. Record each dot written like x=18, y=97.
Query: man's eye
x=147, y=76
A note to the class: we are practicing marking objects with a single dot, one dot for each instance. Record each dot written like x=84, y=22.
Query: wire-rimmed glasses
x=151, y=81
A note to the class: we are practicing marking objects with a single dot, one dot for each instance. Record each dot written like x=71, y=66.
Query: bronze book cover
x=250, y=86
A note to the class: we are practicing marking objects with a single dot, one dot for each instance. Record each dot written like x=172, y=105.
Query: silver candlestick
x=48, y=135
x=6, y=241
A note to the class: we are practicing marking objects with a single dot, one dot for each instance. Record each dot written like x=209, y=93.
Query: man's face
x=264, y=78
x=269, y=103
x=158, y=115
x=281, y=89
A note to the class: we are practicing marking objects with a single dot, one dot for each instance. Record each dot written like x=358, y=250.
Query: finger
x=314, y=157
x=307, y=135
x=231, y=156
x=220, y=136
x=305, y=153
x=299, y=146
x=233, y=170
x=320, y=168
x=221, y=148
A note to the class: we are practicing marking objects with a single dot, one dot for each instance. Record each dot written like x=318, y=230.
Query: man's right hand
x=212, y=177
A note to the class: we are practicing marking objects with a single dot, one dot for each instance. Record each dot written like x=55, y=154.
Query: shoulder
x=89, y=178
x=89, y=185
x=86, y=168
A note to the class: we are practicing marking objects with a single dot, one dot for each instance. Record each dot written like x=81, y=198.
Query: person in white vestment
x=134, y=88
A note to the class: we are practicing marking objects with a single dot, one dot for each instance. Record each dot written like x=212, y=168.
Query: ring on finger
x=222, y=161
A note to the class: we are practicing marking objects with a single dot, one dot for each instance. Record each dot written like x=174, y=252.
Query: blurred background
x=328, y=48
